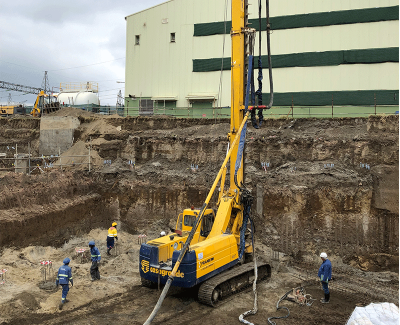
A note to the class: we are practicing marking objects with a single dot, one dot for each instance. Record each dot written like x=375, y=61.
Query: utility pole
x=45, y=83
x=120, y=100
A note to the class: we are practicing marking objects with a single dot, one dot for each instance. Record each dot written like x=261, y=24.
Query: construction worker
x=64, y=276
x=112, y=233
x=96, y=257
x=325, y=275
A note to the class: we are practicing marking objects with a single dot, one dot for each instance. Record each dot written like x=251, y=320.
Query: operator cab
x=187, y=220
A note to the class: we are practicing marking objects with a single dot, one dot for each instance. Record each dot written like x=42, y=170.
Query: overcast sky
x=75, y=41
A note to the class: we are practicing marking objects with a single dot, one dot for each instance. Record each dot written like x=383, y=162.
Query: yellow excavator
x=210, y=248
x=45, y=103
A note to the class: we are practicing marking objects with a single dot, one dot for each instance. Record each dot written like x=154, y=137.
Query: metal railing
x=274, y=112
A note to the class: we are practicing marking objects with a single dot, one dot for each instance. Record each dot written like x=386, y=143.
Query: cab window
x=189, y=220
x=179, y=222
x=206, y=226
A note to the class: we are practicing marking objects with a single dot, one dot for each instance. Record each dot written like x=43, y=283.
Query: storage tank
x=78, y=98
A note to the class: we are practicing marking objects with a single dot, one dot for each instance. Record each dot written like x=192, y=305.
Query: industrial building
x=342, y=54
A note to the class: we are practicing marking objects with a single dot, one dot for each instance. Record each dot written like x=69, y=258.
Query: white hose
x=254, y=310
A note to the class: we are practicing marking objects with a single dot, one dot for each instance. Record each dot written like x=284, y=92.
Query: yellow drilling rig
x=210, y=248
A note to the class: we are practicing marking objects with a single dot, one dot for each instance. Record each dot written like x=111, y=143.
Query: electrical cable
x=88, y=65
x=278, y=308
x=255, y=308
x=223, y=54
x=271, y=84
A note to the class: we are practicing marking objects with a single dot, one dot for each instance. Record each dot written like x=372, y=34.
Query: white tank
x=78, y=98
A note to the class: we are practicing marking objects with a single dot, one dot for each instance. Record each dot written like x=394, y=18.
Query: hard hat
x=66, y=260
x=114, y=224
x=91, y=243
x=323, y=255
x=162, y=233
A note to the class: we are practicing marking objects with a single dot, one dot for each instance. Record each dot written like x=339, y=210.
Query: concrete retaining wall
x=56, y=134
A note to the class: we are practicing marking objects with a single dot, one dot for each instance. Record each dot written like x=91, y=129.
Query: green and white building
x=343, y=54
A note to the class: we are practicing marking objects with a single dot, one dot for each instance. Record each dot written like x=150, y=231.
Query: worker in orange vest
x=112, y=233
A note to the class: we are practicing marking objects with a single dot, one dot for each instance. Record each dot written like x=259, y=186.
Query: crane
x=210, y=248
x=45, y=103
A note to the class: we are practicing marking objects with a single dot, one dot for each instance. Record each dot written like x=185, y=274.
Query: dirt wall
x=330, y=184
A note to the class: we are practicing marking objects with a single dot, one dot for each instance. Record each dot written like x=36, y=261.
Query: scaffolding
x=79, y=86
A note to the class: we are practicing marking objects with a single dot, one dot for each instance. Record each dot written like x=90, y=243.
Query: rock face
x=318, y=184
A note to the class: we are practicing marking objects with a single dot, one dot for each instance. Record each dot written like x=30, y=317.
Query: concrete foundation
x=57, y=134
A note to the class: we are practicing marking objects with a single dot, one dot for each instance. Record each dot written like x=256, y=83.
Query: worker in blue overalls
x=96, y=257
x=64, y=276
x=325, y=275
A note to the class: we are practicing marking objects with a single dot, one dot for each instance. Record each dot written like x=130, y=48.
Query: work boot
x=93, y=279
x=108, y=251
x=326, y=299
x=61, y=305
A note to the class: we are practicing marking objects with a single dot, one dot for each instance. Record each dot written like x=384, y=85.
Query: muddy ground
x=119, y=298
x=314, y=197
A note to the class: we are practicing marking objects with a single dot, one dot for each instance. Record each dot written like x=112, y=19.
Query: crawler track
x=216, y=289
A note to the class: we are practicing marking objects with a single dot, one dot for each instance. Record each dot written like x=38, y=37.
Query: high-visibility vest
x=112, y=232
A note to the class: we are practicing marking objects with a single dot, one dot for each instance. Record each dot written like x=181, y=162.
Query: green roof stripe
x=307, y=20
x=308, y=59
x=324, y=98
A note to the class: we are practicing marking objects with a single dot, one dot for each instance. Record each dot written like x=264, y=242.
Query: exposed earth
x=314, y=196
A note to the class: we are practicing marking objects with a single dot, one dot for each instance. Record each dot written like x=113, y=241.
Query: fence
x=274, y=112
x=25, y=163
x=102, y=110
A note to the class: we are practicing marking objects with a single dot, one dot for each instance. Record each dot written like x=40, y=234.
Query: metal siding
x=158, y=68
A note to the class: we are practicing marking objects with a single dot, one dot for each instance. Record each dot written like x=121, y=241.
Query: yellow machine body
x=44, y=103
x=214, y=246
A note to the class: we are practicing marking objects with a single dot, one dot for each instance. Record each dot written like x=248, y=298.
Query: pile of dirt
x=375, y=262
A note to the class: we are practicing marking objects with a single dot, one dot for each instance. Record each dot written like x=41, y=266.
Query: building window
x=137, y=39
x=172, y=38
x=146, y=107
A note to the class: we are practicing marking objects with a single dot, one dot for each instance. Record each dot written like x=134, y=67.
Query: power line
x=88, y=65
x=103, y=91
x=21, y=65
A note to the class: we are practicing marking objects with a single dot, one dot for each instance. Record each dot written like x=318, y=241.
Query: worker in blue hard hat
x=96, y=257
x=64, y=276
x=112, y=234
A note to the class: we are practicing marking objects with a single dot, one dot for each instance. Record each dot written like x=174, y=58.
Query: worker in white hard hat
x=162, y=233
x=325, y=275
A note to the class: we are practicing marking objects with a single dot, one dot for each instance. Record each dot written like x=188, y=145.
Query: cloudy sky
x=75, y=41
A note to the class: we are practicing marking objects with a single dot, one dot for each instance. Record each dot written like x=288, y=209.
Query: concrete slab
x=56, y=134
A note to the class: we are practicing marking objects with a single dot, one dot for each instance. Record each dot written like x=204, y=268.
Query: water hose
x=255, y=308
